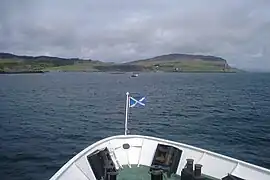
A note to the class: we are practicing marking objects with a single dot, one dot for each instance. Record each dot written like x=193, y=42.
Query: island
x=10, y=63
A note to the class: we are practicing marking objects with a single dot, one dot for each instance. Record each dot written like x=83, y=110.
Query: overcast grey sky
x=123, y=30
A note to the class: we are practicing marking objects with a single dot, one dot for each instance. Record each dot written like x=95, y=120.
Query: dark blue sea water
x=45, y=119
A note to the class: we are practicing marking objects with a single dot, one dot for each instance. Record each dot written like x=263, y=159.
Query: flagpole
x=127, y=107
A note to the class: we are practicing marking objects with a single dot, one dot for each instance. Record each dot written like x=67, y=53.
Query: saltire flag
x=134, y=102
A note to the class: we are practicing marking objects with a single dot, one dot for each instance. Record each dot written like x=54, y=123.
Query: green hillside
x=185, y=63
x=14, y=63
x=167, y=63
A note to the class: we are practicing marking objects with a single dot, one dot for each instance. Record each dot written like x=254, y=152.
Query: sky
x=125, y=30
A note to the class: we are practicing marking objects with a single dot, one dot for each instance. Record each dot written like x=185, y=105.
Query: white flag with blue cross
x=135, y=103
x=132, y=102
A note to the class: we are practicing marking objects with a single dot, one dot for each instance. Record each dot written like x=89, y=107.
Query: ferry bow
x=136, y=157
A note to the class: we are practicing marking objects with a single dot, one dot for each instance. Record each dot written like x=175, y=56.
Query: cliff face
x=167, y=63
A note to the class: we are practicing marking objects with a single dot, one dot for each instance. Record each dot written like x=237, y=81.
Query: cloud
x=123, y=30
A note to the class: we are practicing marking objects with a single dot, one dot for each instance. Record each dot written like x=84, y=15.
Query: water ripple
x=46, y=119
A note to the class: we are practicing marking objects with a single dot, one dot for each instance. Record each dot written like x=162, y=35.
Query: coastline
x=22, y=72
x=118, y=72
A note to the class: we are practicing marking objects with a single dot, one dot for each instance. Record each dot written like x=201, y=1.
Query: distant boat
x=134, y=75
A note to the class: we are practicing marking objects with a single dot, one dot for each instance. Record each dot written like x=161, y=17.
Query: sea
x=46, y=119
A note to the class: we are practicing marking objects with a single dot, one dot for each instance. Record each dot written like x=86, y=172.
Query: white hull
x=142, y=151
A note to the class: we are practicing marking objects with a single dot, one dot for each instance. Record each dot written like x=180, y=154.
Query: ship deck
x=119, y=152
x=142, y=173
x=139, y=173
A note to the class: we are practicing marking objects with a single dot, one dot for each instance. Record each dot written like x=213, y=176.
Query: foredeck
x=142, y=173
x=139, y=173
x=130, y=157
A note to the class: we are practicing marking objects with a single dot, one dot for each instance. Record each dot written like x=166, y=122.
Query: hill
x=185, y=63
x=14, y=63
x=168, y=63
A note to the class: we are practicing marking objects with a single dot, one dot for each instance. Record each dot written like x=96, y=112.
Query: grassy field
x=20, y=65
x=75, y=67
x=185, y=66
